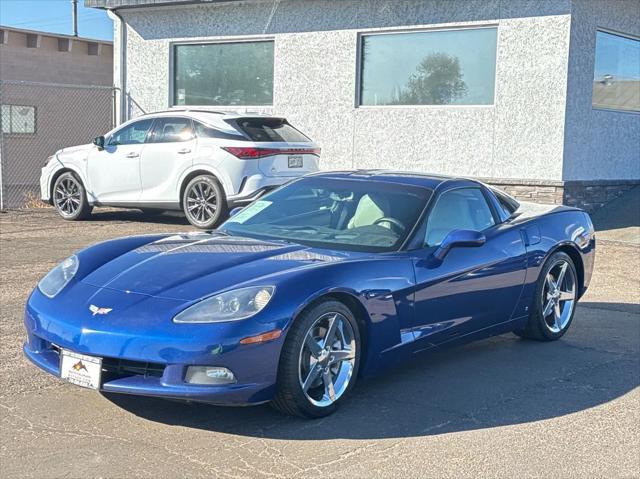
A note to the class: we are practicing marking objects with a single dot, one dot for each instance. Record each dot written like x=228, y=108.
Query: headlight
x=230, y=306
x=59, y=276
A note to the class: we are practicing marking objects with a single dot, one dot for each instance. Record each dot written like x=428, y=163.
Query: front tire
x=203, y=202
x=555, y=300
x=319, y=361
x=70, y=198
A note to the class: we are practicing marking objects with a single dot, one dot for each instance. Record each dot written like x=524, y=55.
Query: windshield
x=334, y=213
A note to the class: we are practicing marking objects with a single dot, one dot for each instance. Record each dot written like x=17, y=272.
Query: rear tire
x=70, y=198
x=554, y=302
x=203, y=202
x=316, y=374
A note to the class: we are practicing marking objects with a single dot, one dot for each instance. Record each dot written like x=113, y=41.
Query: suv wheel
x=203, y=202
x=70, y=198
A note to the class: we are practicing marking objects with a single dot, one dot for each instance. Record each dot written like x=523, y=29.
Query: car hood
x=191, y=266
x=70, y=150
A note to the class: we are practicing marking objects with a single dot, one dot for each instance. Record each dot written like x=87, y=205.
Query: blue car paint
x=408, y=304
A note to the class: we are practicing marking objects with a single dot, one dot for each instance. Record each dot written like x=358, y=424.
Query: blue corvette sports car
x=331, y=277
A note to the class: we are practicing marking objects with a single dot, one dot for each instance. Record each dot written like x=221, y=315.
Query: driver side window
x=459, y=209
x=131, y=134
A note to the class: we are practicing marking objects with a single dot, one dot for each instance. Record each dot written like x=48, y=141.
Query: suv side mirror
x=99, y=142
x=459, y=239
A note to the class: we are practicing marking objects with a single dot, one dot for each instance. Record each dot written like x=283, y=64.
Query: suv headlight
x=229, y=306
x=59, y=277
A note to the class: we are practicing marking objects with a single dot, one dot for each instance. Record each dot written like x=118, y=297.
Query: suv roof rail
x=202, y=109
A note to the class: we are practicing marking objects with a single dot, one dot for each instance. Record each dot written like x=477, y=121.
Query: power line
x=56, y=20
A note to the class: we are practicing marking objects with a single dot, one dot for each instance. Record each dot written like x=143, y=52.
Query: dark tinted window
x=508, y=203
x=204, y=131
x=270, y=129
x=171, y=130
x=459, y=209
x=131, y=134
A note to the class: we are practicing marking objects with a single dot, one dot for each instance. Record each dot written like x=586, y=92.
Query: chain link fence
x=37, y=120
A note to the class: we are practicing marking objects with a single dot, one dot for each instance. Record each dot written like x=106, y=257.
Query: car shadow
x=133, y=215
x=496, y=382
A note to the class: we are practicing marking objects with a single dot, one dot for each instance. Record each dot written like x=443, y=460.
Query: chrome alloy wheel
x=558, y=296
x=67, y=196
x=327, y=359
x=202, y=202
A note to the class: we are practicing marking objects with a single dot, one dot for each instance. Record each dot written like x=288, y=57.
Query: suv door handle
x=133, y=155
x=184, y=151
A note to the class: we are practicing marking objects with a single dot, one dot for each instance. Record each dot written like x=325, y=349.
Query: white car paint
x=152, y=174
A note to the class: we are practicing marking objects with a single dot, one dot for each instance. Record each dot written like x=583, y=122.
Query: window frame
x=400, y=30
x=617, y=34
x=21, y=133
x=215, y=41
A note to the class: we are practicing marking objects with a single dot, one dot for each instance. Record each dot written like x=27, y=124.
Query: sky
x=55, y=16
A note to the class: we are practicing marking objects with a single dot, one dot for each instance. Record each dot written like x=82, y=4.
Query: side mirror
x=99, y=142
x=235, y=211
x=459, y=239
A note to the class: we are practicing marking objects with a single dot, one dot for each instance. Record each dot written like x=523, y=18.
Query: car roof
x=425, y=180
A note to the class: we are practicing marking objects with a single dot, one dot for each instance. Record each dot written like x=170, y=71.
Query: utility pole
x=74, y=16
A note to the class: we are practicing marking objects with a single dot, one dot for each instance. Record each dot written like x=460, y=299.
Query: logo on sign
x=79, y=366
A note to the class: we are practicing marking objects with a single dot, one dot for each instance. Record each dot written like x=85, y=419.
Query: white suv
x=201, y=161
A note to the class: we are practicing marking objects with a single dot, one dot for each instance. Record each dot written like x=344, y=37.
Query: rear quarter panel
x=550, y=229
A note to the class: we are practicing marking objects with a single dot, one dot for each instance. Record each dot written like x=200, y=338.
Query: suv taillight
x=252, y=153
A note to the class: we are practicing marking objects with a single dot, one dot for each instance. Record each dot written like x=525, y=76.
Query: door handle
x=133, y=155
x=184, y=151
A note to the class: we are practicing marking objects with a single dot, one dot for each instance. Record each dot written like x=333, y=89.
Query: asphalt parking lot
x=503, y=407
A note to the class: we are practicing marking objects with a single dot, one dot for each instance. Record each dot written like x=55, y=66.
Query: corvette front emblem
x=96, y=310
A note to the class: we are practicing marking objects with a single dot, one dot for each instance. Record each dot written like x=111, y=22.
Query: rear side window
x=509, y=204
x=270, y=129
x=204, y=131
x=171, y=130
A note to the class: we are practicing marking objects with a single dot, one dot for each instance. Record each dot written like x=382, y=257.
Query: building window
x=238, y=73
x=17, y=119
x=616, y=77
x=447, y=67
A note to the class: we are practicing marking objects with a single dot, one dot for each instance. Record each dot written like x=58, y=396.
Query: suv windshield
x=334, y=213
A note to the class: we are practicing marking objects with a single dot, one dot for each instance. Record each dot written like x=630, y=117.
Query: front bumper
x=44, y=184
x=169, y=385
x=155, y=365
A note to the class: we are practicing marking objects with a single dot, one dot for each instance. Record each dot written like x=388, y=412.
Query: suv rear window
x=269, y=129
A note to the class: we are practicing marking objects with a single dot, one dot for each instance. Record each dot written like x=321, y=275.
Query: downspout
x=122, y=62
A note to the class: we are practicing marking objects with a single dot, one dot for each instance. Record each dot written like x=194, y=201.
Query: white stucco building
x=540, y=97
